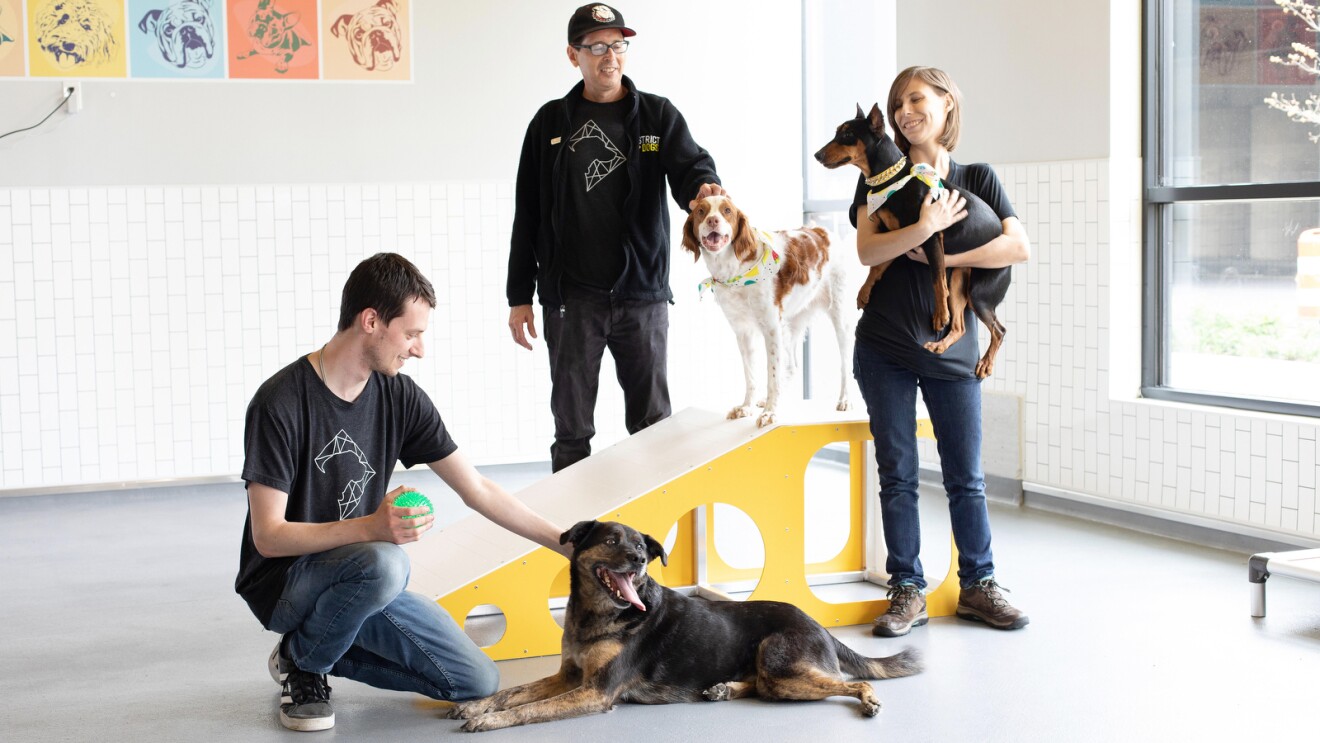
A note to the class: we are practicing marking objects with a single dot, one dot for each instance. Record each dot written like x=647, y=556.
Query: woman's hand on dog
x=937, y=216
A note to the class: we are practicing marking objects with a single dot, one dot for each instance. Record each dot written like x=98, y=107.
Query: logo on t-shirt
x=649, y=142
x=599, y=168
x=351, y=494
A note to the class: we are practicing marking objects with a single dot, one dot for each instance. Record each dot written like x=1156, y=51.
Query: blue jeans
x=347, y=615
x=890, y=392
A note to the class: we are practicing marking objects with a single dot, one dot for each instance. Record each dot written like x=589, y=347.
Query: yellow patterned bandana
x=921, y=171
x=764, y=268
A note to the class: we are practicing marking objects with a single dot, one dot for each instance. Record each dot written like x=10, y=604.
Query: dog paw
x=870, y=707
x=742, y=411
x=767, y=418
x=482, y=723
x=984, y=368
x=718, y=693
x=467, y=710
x=843, y=405
x=935, y=347
x=940, y=319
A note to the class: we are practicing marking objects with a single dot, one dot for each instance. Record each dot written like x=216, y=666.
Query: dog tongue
x=623, y=582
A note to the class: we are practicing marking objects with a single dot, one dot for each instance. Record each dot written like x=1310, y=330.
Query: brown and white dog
x=770, y=284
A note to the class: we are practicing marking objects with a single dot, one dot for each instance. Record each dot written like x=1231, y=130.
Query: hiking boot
x=983, y=602
x=305, y=703
x=278, y=663
x=907, y=609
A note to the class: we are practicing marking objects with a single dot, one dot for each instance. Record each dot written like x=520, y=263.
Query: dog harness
x=764, y=268
x=921, y=171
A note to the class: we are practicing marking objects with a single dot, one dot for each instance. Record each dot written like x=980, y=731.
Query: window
x=1232, y=204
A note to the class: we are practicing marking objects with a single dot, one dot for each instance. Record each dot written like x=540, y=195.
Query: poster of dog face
x=177, y=38
x=273, y=39
x=77, y=38
x=11, y=38
x=367, y=39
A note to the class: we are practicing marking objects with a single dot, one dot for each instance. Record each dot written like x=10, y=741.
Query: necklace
x=320, y=364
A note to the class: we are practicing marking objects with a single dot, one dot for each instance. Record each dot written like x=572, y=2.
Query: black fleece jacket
x=660, y=147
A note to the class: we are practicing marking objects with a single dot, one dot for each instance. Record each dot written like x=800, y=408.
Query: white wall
x=131, y=338
x=152, y=274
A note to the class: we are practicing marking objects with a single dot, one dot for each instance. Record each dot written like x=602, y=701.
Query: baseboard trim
x=1185, y=527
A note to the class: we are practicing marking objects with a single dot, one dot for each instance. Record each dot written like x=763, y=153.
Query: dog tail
x=905, y=663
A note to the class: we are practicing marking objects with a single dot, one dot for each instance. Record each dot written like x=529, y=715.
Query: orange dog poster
x=273, y=40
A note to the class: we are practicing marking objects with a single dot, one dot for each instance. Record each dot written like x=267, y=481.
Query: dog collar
x=921, y=171
x=764, y=268
x=889, y=172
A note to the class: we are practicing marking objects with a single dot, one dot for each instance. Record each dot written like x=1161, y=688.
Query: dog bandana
x=921, y=171
x=766, y=267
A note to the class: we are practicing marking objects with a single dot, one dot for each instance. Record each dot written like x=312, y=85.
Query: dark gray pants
x=637, y=335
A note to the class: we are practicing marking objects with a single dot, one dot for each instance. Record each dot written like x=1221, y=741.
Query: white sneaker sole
x=307, y=725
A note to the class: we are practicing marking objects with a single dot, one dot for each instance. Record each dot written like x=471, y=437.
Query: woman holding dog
x=890, y=363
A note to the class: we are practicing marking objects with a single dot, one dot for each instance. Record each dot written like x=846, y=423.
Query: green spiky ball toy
x=413, y=499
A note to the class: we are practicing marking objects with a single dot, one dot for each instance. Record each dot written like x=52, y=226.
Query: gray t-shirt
x=333, y=458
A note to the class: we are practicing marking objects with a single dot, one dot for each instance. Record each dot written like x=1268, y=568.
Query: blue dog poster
x=176, y=38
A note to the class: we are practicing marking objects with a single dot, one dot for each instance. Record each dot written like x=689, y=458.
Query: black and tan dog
x=863, y=141
x=629, y=639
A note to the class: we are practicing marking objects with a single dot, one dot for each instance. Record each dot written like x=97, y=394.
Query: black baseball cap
x=594, y=17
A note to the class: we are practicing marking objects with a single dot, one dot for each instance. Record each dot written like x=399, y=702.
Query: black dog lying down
x=863, y=141
x=629, y=639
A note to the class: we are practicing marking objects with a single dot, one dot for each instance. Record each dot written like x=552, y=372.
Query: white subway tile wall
x=135, y=324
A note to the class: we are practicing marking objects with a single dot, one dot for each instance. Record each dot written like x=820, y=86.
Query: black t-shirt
x=592, y=231
x=897, y=317
x=333, y=458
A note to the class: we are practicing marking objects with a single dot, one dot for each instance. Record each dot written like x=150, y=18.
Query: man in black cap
x=591, y=232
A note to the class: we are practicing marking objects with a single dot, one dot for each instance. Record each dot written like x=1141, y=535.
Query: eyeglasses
x=598, y=49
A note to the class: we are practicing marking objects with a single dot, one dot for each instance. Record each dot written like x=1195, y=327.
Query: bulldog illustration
x=184, y=31
x=74, y=33
x=373, y=35
x=275, y=34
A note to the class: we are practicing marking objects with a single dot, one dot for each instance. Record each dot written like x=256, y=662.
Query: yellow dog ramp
x=653, y=480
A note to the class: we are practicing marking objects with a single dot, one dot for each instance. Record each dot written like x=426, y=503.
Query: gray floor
x=118, y=622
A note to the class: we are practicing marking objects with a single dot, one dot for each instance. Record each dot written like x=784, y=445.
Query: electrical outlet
x=73, y=89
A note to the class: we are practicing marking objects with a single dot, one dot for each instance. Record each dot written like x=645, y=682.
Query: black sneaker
x=279, y=664
x=305, y=703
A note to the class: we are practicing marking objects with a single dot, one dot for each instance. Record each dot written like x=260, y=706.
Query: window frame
x=1158, y=203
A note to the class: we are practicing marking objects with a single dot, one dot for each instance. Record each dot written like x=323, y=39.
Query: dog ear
x=290, y=20
x=744, y=238
x=387, y=4
x=343, y=21
x=654, y=549
x=149, y=21
x=690, y=236
x=578, y=533
x=860, y=115
x=876, y=119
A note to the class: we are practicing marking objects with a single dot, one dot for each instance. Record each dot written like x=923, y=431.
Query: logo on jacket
x=351, y=495
x=649, y=143
x=599, y=168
